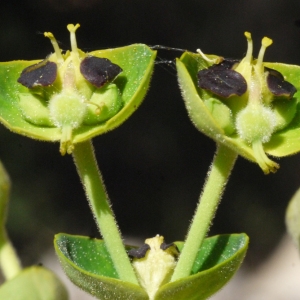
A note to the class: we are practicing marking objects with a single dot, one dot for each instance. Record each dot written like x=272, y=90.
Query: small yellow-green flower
x=244, y=104
x=73, y=96
x=154, y=263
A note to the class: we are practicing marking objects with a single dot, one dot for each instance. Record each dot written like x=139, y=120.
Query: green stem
x=9, y=261
x=91, y=178
x=209, y=200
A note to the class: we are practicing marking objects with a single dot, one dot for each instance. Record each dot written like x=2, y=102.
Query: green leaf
x=34, y=283
x=292, y=218
x=218, y=259
x=88, y=265
x=137, y=62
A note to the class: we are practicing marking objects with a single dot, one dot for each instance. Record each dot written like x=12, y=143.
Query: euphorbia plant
x=249, y=108
x=74, y=96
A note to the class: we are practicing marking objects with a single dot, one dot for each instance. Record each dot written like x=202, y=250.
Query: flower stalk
x=92, y=181
x=217, y=178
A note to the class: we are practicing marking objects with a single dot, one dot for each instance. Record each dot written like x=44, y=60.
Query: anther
x=266, y=42
x=213, y=60
x=248, y=56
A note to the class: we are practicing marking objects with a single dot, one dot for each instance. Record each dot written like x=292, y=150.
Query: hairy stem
x=215, y=184
x=91, y=179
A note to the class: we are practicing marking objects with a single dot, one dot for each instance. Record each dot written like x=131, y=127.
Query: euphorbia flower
x=73, y=96
x=69, y=86
x=154, y=263
x=242, y=104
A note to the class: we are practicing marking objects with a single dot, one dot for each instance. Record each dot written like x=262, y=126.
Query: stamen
x=245, y=66
x=213, y=60
x=266, y=164
x=98, y=107
x=55, y=46
x=72, y=30
x=248, y=56
x=266, y=42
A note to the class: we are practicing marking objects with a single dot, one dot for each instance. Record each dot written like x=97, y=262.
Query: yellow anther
x=72, y=28
x=247, y=35
x=55, y=46
x=266, y=42
x=49, y=35
x=248, y=57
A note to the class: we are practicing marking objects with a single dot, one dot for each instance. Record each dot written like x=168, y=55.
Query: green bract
x=248, y=105
x=88, y=264
x=72, y=97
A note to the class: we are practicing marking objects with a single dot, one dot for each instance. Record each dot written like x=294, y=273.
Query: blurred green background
x=154, y=165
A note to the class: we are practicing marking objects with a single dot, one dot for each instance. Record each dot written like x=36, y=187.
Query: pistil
x=57, y=50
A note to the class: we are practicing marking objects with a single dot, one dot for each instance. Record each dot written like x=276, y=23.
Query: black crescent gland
x=171, y=247
x=99, y=71
x=278, y=86
x=165, y=246
x=139, y=252
x=41, y=74
x=221, y=80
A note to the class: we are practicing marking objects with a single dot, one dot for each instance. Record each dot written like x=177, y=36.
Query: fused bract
x=242, y=104
x=89, y=265
x=73, y=96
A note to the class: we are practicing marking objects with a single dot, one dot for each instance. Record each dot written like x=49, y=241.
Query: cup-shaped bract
x=248, y=105
x=74, y=96
x=88, y=264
